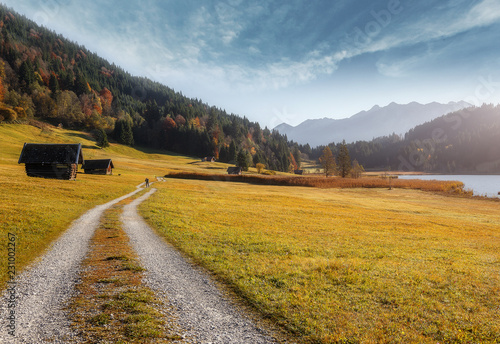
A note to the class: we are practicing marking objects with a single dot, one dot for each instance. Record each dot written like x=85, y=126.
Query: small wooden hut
x=59, y=161
x=234, y=170
x=99, y=166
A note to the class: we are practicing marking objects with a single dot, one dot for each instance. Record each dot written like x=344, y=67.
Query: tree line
x=466, y=141
x=45, y=76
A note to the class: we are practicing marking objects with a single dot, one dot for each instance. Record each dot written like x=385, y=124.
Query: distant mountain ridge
x=366, y=125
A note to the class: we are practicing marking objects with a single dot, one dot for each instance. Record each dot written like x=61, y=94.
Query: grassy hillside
x=38, y=210
x=345, y=265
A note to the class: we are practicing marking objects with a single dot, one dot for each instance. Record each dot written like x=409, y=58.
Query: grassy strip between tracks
x=112, y=304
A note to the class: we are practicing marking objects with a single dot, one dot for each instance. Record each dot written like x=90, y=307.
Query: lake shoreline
x=419, y=173
x=481, y=185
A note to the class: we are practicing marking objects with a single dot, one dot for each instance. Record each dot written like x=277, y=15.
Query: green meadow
x=357, y=265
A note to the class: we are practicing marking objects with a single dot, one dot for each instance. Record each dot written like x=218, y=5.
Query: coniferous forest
x=47, y=77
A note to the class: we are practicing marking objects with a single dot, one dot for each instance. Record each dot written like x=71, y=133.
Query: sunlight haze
x=288, y=61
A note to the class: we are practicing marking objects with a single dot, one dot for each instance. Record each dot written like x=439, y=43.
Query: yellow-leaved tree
x=327, y=161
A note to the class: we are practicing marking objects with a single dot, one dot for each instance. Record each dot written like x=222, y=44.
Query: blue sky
x=290, y=60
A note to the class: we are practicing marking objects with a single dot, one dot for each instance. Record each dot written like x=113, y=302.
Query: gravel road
x=44, y=288
x=206, y=315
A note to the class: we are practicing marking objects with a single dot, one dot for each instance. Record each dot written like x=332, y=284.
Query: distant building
x=100, y=166
x=209, y=158
x=234, y=170
x=59, y=161
x=301, y=172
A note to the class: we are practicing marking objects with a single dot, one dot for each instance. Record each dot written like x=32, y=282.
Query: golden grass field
x=38, y=210
x=356, y=265
x=345, y=265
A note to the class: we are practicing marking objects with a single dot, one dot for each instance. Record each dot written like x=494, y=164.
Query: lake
x=481, y=185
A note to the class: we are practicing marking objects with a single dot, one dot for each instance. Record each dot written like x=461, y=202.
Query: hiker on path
x=147, y=182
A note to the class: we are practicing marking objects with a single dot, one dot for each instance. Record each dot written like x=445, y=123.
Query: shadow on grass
x=81, y=135
x=215, y=168
x=147, y=150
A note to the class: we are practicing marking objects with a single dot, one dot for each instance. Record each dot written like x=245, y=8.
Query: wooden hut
x=234, y=170
x=59, y=161
x=100, y=166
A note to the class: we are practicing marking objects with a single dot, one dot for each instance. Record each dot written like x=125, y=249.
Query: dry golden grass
x=345, y=265
x=331, y=182
x=38, y=210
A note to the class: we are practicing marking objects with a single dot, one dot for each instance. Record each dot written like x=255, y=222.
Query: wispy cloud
x=237, y=47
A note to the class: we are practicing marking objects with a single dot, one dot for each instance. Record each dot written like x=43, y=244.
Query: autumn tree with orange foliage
x=216, y=132
x=195, y=122
x=180, y=120
x=106, y=100
x=169, y=124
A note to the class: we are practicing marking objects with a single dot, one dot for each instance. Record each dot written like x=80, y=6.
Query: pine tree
x=243, y=160
x=101, y=138
x=296, y=156
x=54, y=85
x=81, y=85
x=232, y=152
x=123, y=132
x=26, y=75
x=127, y=136
x=344, y=160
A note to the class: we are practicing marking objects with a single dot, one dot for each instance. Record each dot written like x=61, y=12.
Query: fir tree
x=101, y=138
x=26, y=75
x=243, y=160
x=344, y=160
x=54, y=85
x=123, y=132
x=231, y=158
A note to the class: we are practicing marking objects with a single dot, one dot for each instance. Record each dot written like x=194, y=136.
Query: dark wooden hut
x=59, y=161
x=100, y=166
x=234, y=170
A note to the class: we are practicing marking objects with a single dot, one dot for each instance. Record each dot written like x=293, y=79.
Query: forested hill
x=47, y=77
x=466, y=141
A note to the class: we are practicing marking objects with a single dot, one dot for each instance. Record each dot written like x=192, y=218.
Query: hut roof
x=98, y=164
x=37, y=153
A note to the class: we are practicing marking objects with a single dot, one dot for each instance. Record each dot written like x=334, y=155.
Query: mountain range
x=367, y=125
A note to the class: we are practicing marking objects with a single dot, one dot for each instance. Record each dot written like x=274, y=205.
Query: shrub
x=269, y=173
x=8, y=114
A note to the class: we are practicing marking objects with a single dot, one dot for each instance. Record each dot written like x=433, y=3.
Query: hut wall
x=56, y=171
x=96, y=171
